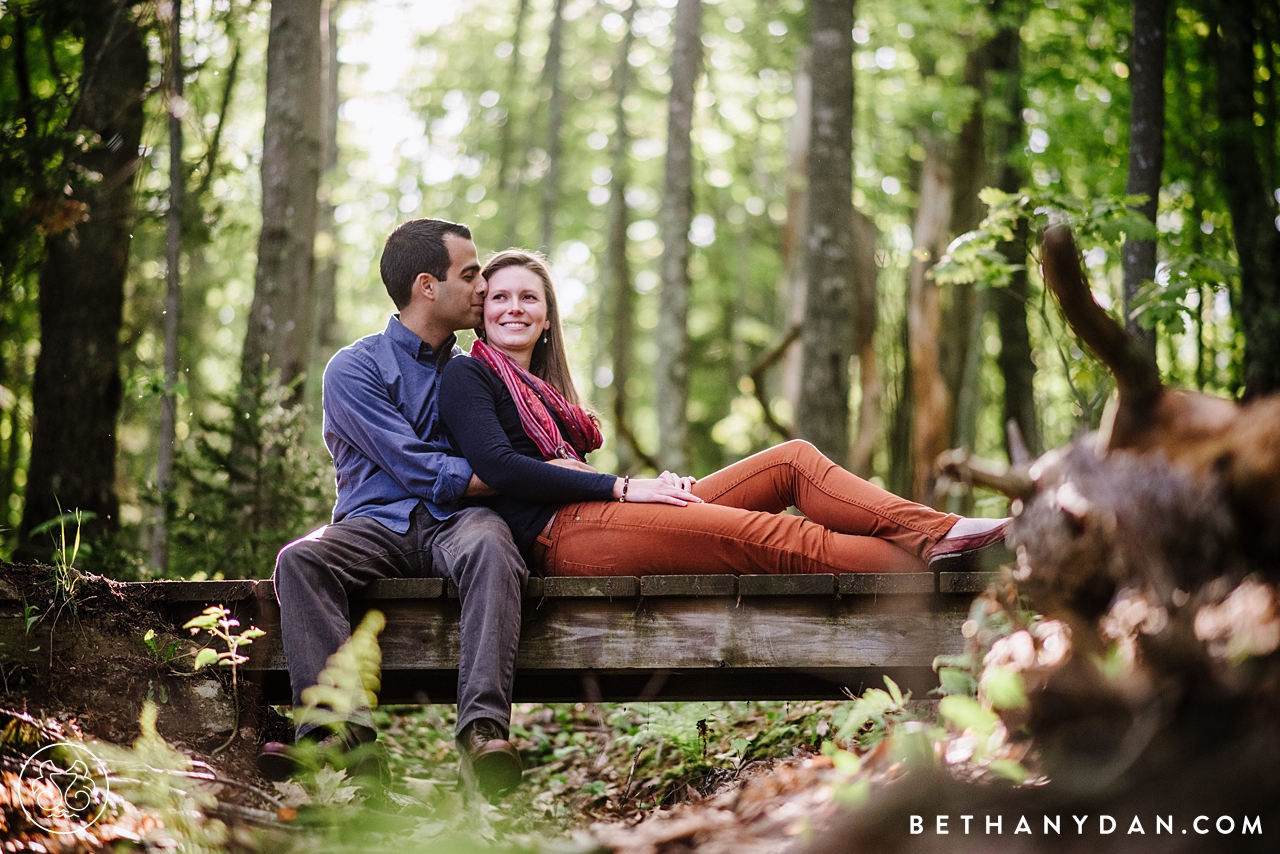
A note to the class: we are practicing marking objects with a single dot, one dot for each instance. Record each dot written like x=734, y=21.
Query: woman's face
x=515, y=312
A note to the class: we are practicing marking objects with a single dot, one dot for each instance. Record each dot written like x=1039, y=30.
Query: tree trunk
x=279, y=328
x=931, y=418
x=1253, y=208
x=327, y=337
x=827, y=338
x=555, y=118
x=900, y=471
x=77, y=387
x=865, y=272
x=1015, y=359
x=968, y=303
x=173, y=290
x=674, y=220
x=1146, y=149
x=619, y=267
x=1010, y=302
x=792, y=287
x=508, y=173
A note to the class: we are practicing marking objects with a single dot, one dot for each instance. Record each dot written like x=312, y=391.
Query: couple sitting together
x=471, y=469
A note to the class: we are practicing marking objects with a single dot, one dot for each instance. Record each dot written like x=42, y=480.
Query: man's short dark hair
x=415, y=247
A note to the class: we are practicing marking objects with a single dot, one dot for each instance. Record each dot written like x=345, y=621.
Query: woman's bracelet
x=626, y=481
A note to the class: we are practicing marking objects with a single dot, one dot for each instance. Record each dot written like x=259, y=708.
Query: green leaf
x=894, y=691
x=1004, y=688
x=846, y=762
x=1009, y=769
x=205, y=656
x=956, y=681
x=967, y=713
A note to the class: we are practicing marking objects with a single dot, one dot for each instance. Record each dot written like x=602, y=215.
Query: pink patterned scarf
x=535, y=399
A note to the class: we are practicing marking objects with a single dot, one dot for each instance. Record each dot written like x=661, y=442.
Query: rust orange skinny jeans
x=849, y=525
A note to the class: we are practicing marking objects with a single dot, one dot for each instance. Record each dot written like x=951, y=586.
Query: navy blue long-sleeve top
x=483, y=422
x=382, y=426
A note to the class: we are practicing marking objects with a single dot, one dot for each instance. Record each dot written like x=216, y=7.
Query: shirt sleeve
x=358, y=405
x=469, y=408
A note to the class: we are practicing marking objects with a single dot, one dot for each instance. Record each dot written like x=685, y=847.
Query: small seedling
x=30, y=615
x=161, y=657
x=218, y=622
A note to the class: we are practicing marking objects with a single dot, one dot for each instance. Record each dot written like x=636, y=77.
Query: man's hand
x=673, y=479
x=577, y=465
x=477, y=488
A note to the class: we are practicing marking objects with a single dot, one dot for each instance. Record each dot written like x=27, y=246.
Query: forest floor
x=649, y=777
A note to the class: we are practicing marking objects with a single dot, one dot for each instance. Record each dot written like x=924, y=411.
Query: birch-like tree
x=278, y=338
x=827, y=336
x=672, y=334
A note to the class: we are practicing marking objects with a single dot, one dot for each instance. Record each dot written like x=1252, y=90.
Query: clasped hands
x=666, y=488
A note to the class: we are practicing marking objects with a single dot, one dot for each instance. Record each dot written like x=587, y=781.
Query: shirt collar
x=403, y=338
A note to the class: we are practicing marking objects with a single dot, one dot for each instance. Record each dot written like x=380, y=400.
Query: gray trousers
x=316, y=576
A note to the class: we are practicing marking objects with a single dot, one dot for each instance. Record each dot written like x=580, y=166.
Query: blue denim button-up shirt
x=382, y=426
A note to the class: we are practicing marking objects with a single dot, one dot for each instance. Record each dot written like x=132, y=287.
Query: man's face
x=460, y=296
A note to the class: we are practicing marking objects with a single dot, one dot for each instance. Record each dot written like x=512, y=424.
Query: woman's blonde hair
x=549, y=362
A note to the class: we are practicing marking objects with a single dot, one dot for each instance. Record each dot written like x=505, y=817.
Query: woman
x=514, y=413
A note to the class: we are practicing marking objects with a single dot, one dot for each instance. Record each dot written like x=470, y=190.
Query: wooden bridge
x=761, y=637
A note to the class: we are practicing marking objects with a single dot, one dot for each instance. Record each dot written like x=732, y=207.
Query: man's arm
x=477, y=488
x=359, y=409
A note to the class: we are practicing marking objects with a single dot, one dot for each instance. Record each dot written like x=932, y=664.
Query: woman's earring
x=544, y=338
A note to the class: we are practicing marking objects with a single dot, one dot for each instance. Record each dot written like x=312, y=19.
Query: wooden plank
x=208, y=592
x=877, y=583
x=604, y=587
x=758, y=634
x=688, y=585
x=405, y=588
x=786, y=585
x=532, y=589
x=966, y=582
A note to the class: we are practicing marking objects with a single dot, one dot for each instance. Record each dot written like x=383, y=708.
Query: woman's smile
x=515, y=312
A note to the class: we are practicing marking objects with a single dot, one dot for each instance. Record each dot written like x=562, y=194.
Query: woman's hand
x=685, y=483
x=576, y=465
x=655, y=490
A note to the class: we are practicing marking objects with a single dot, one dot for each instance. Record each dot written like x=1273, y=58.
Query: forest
x=768, y=219
x=686, y=174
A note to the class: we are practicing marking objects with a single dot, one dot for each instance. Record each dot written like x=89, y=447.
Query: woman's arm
x=469, y=394
x=469, y=409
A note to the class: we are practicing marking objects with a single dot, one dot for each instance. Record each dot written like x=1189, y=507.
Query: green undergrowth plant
x=65, y=553
x=875, y=715
x=345, y=691
x=221, y=626
x=350, y=680
x=247, y=482
x=162, y=656
x=165, y=783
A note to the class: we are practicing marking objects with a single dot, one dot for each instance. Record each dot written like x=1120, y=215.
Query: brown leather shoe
x=489, y=762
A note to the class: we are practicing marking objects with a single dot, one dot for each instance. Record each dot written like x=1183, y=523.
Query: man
x=399, y=511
